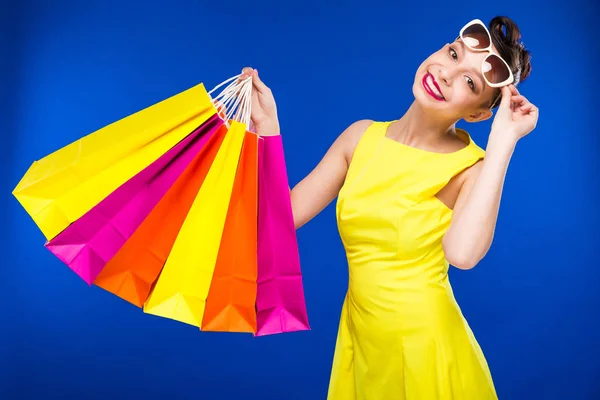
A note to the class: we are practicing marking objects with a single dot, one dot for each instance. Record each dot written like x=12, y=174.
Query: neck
x=418, y=127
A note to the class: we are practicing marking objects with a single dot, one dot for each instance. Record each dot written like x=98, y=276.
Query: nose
x=445, y=75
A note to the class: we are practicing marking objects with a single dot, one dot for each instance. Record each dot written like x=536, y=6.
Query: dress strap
x=444, y=169
x=365, y=150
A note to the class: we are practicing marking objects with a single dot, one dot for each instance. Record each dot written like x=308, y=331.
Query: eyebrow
x=477, y=73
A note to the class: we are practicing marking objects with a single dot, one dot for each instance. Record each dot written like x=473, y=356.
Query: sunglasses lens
x=495, y=69
x=476, y=37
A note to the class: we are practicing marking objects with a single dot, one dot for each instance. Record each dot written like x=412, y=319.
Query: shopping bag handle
x=235, y=99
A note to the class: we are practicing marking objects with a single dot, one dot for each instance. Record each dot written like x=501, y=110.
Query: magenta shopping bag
x=91, y=241
x=280, y=302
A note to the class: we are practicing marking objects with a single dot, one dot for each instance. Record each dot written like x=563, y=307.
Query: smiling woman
x=416, y=195
x=462, y=80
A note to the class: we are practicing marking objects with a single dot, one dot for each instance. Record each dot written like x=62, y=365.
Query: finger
x=506, y=95
x=526, y=108
x=532, y=109
x=258, y=83
x=513, y=90
x=519, y=99
x=246, y=73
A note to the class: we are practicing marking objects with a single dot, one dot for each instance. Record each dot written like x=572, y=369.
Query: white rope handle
x=226, y=96
x=228, y=91
x=235, y=100
x=247, y=117
x=244, y=111
x=224, y=82
x=234, y=111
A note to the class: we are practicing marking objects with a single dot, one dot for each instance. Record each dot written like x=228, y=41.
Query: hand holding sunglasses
x=516, y=117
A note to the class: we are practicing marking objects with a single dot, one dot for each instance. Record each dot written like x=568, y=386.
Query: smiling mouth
x=432, y=88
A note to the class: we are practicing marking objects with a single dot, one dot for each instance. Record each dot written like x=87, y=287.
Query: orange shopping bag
x=230, y=305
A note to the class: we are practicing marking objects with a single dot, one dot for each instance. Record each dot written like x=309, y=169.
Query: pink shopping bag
x=280, y=302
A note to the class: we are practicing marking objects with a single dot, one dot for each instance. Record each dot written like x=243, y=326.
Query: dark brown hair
x=506, y=37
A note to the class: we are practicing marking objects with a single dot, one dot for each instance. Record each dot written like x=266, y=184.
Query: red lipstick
x=432, y=88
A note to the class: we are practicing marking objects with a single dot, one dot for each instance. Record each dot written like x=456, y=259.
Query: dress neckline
x=462, y=134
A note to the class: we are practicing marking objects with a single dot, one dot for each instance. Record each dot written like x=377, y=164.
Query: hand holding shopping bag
x=188, y=217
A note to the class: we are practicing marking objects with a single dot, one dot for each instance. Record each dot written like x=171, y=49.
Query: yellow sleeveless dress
x=402, y=336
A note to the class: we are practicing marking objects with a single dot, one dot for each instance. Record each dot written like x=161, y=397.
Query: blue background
x=71, y=67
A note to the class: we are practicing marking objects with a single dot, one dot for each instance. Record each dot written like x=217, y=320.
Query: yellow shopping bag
x=183, y=285
x=63, y=186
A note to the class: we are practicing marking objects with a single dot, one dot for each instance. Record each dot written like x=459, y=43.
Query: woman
x=415, y=195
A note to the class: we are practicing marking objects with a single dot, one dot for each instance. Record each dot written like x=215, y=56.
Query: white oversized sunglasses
x=494, y=69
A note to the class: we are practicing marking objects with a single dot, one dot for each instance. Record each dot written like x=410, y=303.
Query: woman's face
x=450, y=83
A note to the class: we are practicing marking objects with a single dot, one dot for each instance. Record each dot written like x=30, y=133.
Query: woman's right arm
x=321, y=186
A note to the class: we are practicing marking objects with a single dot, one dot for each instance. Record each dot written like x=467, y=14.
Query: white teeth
x=429, y=81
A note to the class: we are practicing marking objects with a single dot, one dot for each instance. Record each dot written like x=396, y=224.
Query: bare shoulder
x=350, y=137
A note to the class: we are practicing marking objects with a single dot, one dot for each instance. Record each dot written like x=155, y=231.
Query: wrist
x=504, y=140
x=267, y=129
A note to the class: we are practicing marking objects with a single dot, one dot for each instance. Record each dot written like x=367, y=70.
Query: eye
x=453, y=53
x=470, y=83
x=454, y=56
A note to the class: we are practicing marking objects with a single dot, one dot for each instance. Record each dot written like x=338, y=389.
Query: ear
x=480, y=115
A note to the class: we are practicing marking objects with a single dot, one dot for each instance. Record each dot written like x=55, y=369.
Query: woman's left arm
x=471, y=231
